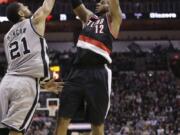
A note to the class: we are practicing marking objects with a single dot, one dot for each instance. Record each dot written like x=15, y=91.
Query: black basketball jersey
x=95, y=42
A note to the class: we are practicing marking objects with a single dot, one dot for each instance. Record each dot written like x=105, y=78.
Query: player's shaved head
x=102, y=7
x=12, y=12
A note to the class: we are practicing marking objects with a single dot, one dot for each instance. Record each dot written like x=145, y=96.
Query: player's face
x=25, y=12
x=102, y=7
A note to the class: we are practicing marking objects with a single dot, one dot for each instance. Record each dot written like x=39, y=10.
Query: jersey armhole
x=34, y=28
x=115, y=35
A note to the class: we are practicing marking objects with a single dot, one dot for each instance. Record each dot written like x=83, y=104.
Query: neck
x=21, y=19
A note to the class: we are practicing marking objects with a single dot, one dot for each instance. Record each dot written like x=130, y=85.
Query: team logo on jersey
x=98, y=25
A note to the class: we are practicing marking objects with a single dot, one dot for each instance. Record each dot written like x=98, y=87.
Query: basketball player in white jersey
x=28, y=64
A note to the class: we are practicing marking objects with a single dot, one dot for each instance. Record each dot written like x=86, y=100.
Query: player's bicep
x=115, y=17
x=83, y=13
x=43, y=11
x=115, y=9
x=38, y=16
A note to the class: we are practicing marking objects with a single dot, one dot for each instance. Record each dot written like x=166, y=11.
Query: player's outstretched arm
x=115, y=17
x=43, y=11
x=80, y=10
x=39, y=17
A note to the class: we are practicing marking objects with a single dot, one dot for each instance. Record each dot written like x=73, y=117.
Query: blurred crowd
x=42, y=124
x=144, y=103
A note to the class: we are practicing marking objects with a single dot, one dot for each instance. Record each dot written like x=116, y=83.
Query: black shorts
x=92, y=86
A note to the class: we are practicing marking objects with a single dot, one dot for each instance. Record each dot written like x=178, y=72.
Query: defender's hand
x=53, y=86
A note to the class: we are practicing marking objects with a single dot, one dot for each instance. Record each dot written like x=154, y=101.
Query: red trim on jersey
x=94, y=42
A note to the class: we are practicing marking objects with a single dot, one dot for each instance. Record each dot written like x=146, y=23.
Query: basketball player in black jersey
x=90, y=77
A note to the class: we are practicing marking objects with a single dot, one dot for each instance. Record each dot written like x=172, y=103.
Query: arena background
x=146, y=96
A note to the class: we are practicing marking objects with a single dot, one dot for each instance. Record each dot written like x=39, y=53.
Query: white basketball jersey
x=26, y=51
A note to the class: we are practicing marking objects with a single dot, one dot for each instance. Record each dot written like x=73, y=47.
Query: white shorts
x=18, y=99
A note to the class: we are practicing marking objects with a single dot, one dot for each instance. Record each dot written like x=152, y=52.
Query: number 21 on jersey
x=15, y=46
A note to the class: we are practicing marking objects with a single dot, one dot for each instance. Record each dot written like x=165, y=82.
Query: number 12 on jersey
x=15, y=48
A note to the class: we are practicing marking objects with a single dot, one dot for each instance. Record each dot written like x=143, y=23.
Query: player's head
x=17, y=12
x=102, y=7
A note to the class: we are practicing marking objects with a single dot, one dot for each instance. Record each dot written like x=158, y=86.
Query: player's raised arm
x=44, y=10
x=80, y=10
x=115, y=16
x=39, y=17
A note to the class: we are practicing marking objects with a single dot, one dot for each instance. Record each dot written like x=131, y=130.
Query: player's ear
x=20, y=13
